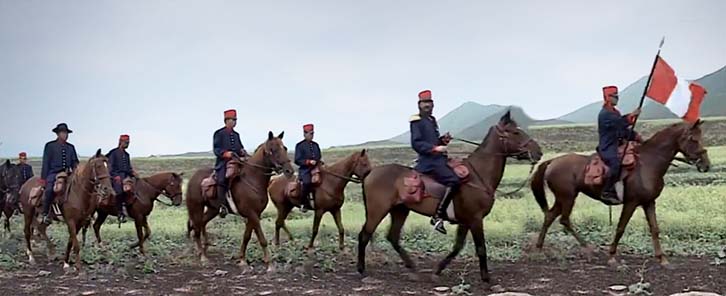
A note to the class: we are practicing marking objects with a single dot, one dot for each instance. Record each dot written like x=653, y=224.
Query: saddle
x=596, y=170
x=209, y=184
x=418, y=186
x=36, y=193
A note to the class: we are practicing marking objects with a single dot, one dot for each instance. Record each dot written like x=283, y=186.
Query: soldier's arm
x=242, y=152
x=75, y=161
x=217, y=144
x=318, y=154
x=46, y=163
x=417, y=141
x=300, y=157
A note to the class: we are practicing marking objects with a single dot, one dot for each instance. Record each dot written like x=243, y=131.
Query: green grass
x=690, y=214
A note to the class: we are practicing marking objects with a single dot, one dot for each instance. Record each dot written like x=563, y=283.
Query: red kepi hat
x=424, y=96
x=308, y=127
x=609, y=91
x=230, y=114
x=22, y=155
x=124, y=138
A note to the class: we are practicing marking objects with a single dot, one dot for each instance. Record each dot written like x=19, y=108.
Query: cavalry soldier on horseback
x=227, y=146
x=26, y=171
x=432, y=154
x=613, y=130
x=119, y=163
x=307, y=157
x=58, y=156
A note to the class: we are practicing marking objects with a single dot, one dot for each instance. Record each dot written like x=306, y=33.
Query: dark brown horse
x=10, y=183
x=87, y=184
x=564, y=176
x=329, y=195
x=145, y=191
x=472, y=202
x=249, y=193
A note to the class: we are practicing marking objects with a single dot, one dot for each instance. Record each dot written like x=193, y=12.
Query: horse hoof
x=31, y=261
x=613, y=262
x=203, y=260
x=271, y=268
x=244, y=266
x=66, y=267
x=666, y=265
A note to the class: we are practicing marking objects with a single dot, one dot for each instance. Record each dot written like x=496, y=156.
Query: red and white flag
x=683, y=98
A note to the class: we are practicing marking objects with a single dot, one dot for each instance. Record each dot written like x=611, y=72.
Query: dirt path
x=387, y=277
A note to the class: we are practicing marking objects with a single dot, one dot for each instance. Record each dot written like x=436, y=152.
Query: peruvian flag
x=680, y=96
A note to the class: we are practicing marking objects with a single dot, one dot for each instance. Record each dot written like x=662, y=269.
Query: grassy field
x=691, y=213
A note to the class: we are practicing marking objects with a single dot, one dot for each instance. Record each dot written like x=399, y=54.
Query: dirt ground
x=572, y=276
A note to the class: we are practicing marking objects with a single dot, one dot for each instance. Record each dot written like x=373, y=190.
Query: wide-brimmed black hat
x=62, y=127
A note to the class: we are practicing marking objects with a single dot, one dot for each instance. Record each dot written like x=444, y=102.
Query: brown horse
x=564, y=176
x=87, y=184
x=249, y=193
x=329, y=195
x=31, y=212
x=472, y=202
x=145, y=190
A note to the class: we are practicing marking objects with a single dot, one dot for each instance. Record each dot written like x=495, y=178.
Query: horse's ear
x=7, y=162
x=270, y=136
x=363, y=153
x=180, y=174
x=98, y=153
x=506, y=118
x=282, y=134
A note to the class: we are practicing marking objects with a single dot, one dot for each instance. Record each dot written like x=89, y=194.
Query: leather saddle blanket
x=59, y=187
x=209, y=186
x=418, y=186
x=596, y=170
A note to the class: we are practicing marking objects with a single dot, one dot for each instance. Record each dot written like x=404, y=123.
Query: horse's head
x=516, y=141
x=10, y=180
x=362, y=166
x=173, y=188
x=276, y=154
x=690, y=144
x=97, y=173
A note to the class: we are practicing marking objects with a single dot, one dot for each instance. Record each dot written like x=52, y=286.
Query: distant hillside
x=715, y=102
x=478, y=131
x=458, y=119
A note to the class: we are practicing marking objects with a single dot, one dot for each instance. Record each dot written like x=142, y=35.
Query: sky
x=164, y=71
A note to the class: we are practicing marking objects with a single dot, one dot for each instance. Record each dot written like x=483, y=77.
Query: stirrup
x=439, y=225
x=223, y=211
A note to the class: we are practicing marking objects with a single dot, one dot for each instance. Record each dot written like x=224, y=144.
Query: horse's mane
x=661, y=135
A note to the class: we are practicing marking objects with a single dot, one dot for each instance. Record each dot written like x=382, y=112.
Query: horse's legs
x=73, y=228
x=282, y=212
x=373, y=218
x=263, y=242
x=316, y=226
x=140, y=235
x=625, y=216
x=209, y=214
x=28, y=230
x=398, y=218
x=477, y=233
x=567, y=206
x=550, y=217
x=341, y=230
x=458, y=245
x=649, y=209
x=147, y=229
x=100, y=218
x=196, y=220
x=42, y=232
x=7, y=222
x=245, y=240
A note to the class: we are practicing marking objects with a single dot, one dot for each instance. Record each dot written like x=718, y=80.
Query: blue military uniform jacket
x=58, y=157
x=424, y=137
x=119, y=163
x=26, y=172
x=226, y=140
x=612, y=129
x=305, y=151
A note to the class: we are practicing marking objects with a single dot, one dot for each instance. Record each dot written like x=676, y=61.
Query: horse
x=31, y=201
x=564, y=175
x=10, y=183
x=145, y=192
x=472, y=202
x=248, y=188
x=329, y=195
x=88, y=183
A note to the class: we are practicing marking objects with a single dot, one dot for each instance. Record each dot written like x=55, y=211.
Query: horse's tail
x=538, y=185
